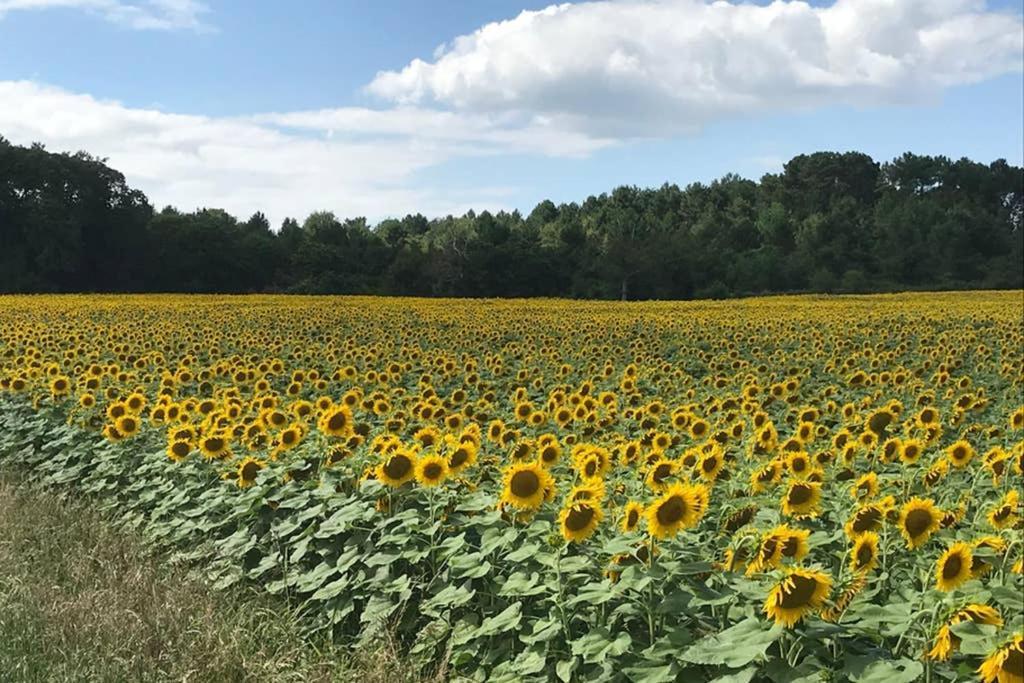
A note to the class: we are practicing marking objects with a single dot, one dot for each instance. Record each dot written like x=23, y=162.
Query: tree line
x=829, y=222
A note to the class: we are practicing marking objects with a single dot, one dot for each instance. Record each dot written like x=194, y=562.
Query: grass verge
x=82, y=600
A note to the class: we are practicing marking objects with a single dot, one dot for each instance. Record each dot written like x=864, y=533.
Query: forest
x=829, y=222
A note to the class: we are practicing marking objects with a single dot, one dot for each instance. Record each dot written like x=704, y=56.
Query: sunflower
x=864, y=555
x=631, y=516
x=676, y=509
x=960, y=453
x=767, y=556
x=178, y=450
x=766, y=476
x=128, y=425
x=336, y=421
x=1016, y=420
x=1005, y=514
x=792, y=542
x=953, y=567
x=431, y=470
x=549, y=452
x=799, y=464
x=711, y=465
x=659, y=473
x=526, y=484
x=214, y=445
x=946, y=642
x=247, y=471
x=866, y=518
x=801, y=592
x=910, y=451
x=579, y=520
x=801, y=499
x=866, y=487
x=461, y=456
x=919, y=519
x=1006, y=663
x=397, y=468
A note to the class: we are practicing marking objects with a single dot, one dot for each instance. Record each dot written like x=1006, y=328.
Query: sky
x=381, y=108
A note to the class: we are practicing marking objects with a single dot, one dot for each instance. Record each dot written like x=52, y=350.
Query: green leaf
x=735, y=646
x=508, y=619
x=885, y=671
x=652, y=674
x=744, y=676
x=565, y=668
x=595, y=646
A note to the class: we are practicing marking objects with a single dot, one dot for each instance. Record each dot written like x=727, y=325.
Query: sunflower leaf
x=735, y=646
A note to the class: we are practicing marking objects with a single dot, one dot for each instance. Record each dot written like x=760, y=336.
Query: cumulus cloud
x=155, y=15
x=352, y=160
x=564, y=81
x=640, y=68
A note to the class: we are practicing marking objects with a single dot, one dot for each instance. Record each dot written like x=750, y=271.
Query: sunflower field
x=781, y=489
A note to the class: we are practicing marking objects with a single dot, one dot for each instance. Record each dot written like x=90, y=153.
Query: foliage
x=828, y=223
x=787, y=436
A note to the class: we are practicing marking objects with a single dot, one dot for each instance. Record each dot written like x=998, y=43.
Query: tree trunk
x=625, y=288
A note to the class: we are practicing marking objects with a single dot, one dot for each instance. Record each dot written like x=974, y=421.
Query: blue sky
x=281, y=107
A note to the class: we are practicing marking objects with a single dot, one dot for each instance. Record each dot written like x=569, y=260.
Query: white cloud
x=640, y=68
x=157, y=15
x=351, y=160
x=564, y=81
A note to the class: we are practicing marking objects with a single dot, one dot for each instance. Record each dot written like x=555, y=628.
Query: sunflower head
x=578, y=520
x=678, y=508
x=953, y=567
x=919, y=519
x=801, y=592
x=431, y=470
x=397, y=467
x=631, y=516
x=526, y=485
x=864, y=555
x=802, y=499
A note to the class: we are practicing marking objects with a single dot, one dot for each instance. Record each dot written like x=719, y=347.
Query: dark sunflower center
x=459, y=457
x=288, y=438
x=766, y=474
x=1014, y=662
x=579, y=517
x=180, y=449
x=917, y=522
x=214, y=444
x=433, y=470
x=397, y=466
x=951, y=568
x=249, y=471
x=799, y=593
x=799, y=465
x=867, y=519
x=864, y=555
x=768, y=548
x=879, y=422
x=337, y=421
x=662, y=471
x=632, y=518
x=1002, y=513
x=791, y=546
x=799, y=494
x=709, y=465
x=672, y=510
x=959, y=453
x=524, y=484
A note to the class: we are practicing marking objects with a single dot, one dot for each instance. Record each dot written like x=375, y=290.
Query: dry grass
x=80, y=600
